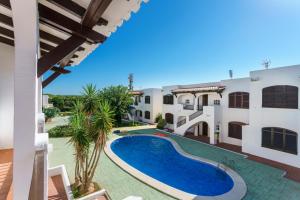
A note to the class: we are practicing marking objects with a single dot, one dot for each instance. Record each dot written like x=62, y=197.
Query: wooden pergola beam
x=59, y=53
x=91, y=17
x=76, y=9
x=52, y=38
x=61, y=22
x=94, y=12
x=50, y=79
x=6, y=20
x=5, y=3
x=7, y=41
x=6, y=32
x=60, y=70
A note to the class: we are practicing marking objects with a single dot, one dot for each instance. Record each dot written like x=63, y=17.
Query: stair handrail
x=195, y=114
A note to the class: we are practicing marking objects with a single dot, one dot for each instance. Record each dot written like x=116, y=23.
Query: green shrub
x=50, y=112
x=60, y=131
x=158, y=117
x=161, y=124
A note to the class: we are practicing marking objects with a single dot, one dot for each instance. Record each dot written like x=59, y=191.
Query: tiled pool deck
x=263, y=182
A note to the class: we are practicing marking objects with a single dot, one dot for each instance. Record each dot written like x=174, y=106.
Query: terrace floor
x=263, y=181
x=6, y=174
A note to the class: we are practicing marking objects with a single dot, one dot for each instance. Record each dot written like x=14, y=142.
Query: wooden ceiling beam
x=58, y=53
x=6, y=20
x=76, y=9
x=52, y=38
x=94, y=12
x=6, y=32
x=5, y=3
x=51, y=78
x=60, y=70
x=61, y=22
x=91, y=17
x=7, y=41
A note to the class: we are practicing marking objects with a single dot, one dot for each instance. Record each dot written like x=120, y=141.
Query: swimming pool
x=160, y=159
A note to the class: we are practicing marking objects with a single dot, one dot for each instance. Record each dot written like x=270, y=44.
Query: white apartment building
x=147, y=104
x=260, y=113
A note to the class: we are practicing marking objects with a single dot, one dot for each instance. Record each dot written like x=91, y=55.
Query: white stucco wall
x=154, y=107
x=6, y=96
x=260, y=117
x=233, y=114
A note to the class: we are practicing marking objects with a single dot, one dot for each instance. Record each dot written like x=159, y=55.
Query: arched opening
x=199, y=131
x=169, y=117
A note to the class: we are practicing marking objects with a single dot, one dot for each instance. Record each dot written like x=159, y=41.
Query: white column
x=196, y=132
x=211, y=129
x=25, y=19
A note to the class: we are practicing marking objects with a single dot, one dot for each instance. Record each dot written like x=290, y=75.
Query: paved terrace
x=263, y=182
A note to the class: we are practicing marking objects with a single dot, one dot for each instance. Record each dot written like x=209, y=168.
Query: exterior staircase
x=187, y=122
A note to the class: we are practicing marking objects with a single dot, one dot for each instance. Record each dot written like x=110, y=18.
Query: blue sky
x=172, y=42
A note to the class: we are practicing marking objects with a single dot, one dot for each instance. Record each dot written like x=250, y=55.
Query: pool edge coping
x=238, y=191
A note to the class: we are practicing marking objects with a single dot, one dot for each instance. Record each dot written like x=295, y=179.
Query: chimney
x=230, y=74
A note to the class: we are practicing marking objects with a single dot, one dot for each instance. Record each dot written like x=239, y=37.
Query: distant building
x=46, y=103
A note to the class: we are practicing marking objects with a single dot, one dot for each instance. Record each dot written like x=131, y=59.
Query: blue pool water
x=157, y=158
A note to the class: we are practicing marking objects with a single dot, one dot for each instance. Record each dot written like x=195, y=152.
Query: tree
x=119, y=99
x=91, y=122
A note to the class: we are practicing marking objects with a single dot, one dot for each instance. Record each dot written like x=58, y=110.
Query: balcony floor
x=6, y=169
x=56, y=190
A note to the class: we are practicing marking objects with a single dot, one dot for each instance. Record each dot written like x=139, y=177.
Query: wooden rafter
x=7, y=41
x=5, y=3
x=94, y=12
x=58, y=53
x=50, y=79
x=60, y=70
x=76, y=9
x=63, y=23
x=90, y=19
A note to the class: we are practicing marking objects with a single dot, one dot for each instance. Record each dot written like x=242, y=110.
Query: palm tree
x=91, y=123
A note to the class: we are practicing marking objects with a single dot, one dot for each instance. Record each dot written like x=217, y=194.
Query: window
x=168, y=99
x=280, y=96
x=235, y=129
x=169, y=117
x=147, y=99
x=147, y=115
x=239, y=100
x=187, y=101
x=216, y=102
x=279, y=139
x=141, y=113
x=136, y=101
